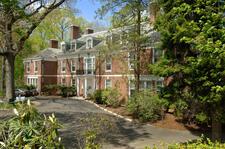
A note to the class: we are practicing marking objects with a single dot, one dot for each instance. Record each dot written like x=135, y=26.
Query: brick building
x=82, y=62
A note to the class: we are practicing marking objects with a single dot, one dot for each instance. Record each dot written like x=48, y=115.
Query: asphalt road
x=78, y=117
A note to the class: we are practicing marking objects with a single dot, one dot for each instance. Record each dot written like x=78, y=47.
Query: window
x=32, y=81
x=131, y=60
x=63, y=66
x=73, y=45
x=63, y=81
x=157, y=54
x=132, y=87
x=108, y=64
x=159, y=85
x=146, y=85
x=73, y=68
x=28, y=66
x=28, y=81
x=108, y=83
x=89, y=43
x=89, y=65
x=63, y=46
x=73, y=81
x=35, y=66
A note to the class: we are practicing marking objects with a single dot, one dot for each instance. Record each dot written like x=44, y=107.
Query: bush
x=29, y=129
x=199, y=144
x=146, y=106
x=109, y=97
x=67, y=91
x=50, y=89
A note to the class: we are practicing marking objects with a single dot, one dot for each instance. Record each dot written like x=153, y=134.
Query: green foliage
x=199, y=144
x=91, y=140
x=203, y=143
x=192, y=32
x=29, y=129
x=146, y=106
x=5, y=106
x=67, y=91
x=108, y=97
x=50, y=89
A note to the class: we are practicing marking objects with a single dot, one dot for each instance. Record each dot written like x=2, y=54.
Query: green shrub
x=50, y=89
x=108, y=97
x=67, y=91
x=111, y=97
x=199, y=144
x=146, y=106
x=29, y=129
x=196, y=144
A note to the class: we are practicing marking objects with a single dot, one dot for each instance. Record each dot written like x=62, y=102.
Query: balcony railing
x=86, y=72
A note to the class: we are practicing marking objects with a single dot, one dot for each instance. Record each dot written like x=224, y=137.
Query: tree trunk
x=9, y=76
x=138, y=48
x=216, y=127
x=2, y=83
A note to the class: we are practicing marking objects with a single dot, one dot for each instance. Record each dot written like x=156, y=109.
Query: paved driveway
x=79, y=116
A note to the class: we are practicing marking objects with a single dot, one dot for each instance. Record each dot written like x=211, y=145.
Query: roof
x=97, y=37
x=49, y=53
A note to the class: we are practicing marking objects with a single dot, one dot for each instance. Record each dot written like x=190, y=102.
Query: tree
x=192, y=33
x=54, y=26
x=129, y=16
x=18, y=20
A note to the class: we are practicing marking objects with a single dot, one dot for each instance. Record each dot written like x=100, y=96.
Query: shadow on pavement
x=110, y=130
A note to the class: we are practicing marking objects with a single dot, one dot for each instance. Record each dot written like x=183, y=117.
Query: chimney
x=153, y=11
x=54, y=43
x=75, y=32
x=89, y=31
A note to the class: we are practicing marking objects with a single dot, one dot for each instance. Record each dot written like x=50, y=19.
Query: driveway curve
x=78, y=117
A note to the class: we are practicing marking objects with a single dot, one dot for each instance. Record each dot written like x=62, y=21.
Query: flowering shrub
x=29, y=129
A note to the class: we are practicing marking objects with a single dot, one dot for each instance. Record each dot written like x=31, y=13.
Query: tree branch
x=37, y=22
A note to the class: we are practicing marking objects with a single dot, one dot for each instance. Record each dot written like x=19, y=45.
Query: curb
x=104, y=109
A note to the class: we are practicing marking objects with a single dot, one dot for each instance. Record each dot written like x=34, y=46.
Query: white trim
x=28, y=66
x=61, y=81
x=110, y=83
x=85, y=87
x=153, y=55
x=129, y=63
x=35, y=61
x=78, y=86
x=143, y=77
x=91, y=46
x=71, y=65
x=62, y=62
x=108, y=63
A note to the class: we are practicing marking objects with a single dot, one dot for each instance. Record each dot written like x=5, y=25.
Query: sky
x=87, y=10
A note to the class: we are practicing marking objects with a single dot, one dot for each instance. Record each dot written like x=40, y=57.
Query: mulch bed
x=169, y=121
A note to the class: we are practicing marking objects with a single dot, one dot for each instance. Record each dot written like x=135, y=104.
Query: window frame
x=28, y=67
x=110, y=85
x=35, y=66
x=108, y=64
x=73, y=65
x=130, y=64
x=63, y=65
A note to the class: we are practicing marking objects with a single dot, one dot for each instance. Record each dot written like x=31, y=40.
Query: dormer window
x=73, y=45
x=63, y=46
x=89, y=43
